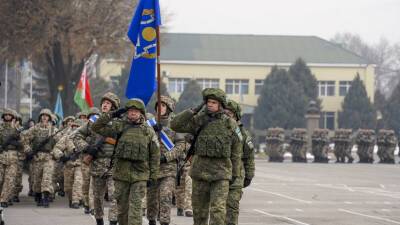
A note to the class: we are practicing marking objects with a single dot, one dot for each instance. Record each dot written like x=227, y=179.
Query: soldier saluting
x=217, y=155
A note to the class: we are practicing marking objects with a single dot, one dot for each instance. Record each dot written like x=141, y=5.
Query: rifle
x=87, y=159
x=12, y=140
x=37, y=148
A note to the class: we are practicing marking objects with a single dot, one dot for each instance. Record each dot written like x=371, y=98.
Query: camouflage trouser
x=58, y=177
x=73, y=183
x=275, y=152
x=8, y=173
x=100, y=186
x=43, y=175
x=299, y=152
x=232, y=203
x=366, y=153
x=159, y=199
x=129, y=200
x=183, y=192
x=144, y=200
x=320, y=153
x=209, y=200
x=386, y=153
x=87, y=190
x=18, y=179
x=31, y=167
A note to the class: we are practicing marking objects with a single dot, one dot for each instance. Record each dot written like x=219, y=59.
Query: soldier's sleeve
x=27, y=139
x=248, y=155
x=154, y=155
x=59, y=148
x=79, y=137
x=184, y=122
x=237, y=149
x=179, y=148
x=100, y=126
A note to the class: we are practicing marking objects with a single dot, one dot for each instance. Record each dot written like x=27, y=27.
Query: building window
x=326, y=88
x=208, y=83
x=328, y=120
x=258, y=86
x=344, y=87
x=237, y=86
x=177, y=85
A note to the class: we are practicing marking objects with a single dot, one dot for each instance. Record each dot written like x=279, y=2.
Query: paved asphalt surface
x=281, y=194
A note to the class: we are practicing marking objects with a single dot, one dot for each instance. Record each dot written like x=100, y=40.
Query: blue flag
x=58, y=109
x=142, y=33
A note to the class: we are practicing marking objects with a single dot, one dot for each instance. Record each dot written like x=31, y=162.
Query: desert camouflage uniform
x=365, y=145
x=343, y=145
x=387, y=142
x=298, y=145
x=275, y=140
x=184, y=191
x=320, y=145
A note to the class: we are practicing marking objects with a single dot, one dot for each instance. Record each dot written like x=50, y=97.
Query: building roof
x=274, y=49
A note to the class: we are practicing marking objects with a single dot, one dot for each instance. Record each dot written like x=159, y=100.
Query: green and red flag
x=82, y=95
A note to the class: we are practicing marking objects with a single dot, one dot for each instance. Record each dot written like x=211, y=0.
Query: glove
x=30, y=156
x=198, y=108
x=118, y=112
x=247, y=182
x=74, y=157
x=151, y=183
x=232, y=181
x=157, y=127
x=163, y=159
x=92, y=150
x=64, y=158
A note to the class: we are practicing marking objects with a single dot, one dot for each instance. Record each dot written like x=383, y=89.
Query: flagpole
x=158, y=76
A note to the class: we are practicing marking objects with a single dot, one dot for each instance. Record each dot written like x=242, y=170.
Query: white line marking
x=349, y=203
x=299, y=210
x=385, y=210
x=382, y=186
x=281, y=195
x=282, y=217
x=369, y=216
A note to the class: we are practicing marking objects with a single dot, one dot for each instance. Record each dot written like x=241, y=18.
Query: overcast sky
x=371, y=19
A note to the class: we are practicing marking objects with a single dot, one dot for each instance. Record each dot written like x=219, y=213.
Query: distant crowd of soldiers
x=203, y=157
x=343, y=141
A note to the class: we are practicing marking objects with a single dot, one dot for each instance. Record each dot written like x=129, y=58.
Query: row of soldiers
x=119, y=151
x=343, y=140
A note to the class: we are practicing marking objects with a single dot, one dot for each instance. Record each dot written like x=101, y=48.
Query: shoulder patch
x=239, y=133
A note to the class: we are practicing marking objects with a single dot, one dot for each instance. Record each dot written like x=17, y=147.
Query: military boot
x=38, y=199
x=4, y=204
x=16, y=199
x=189, y=213
x=30, y=193
x=10, y=203
x=164, y=223
x=100, y=221
x=152, y=222
x=113, y=222
x=46, y=199
x=350, y=160
x=75, y=205
x=61, y=193
x=179, y=212
x=86, y=209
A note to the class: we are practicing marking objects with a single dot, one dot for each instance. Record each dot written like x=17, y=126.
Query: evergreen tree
x=190, y=97
x=358, y=112
x=282, y=103
x=302, y=75
x=392, y=110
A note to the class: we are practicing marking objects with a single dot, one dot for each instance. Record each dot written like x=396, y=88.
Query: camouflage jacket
x=169, y=168
x=65, y=147
x=248, y=153
x=85, y=137
x=218, y=148
x=38, y=133
x=9, y=152
x=137, y=154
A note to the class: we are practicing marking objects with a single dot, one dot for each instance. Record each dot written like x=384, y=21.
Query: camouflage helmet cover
x=68, y=118
x=79, y=114
x=46, y=112
x=136, y=104
x=93, y=111
x=113, y=98
x=170, y=102
x=8, y=111
x=235, y=108
x=216, y=94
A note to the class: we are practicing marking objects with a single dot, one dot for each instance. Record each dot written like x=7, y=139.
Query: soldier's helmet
x=8, y=111
x=93, y=111
x=46, y=112
x=136, y=103
x=170, y=102
x=65, y=120
x=216, y=94
x=79, y=114
x=235, y=108
x=78, y=122
x=113, y=98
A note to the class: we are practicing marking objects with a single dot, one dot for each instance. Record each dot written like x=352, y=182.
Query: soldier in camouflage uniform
x=365, y=141
x=275, y=140
x=10, y=145
x=233, y=110
x=39, y=142
x=137, y=158
x=159, y=197
x=387, y=142
x=343, y=145
x=298, y=145
x=184, y=188
x=320, y=145
x=66, y=152
x=100, y=149
x=217, y=155
x=21, y=158
x=83, y=116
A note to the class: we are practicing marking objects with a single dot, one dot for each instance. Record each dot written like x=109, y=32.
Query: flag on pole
x=58, y=109
x=142, y=33
x=82, y=95
x=169, y=145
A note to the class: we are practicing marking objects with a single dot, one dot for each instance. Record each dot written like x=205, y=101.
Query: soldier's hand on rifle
x=246, y=182
x=92, y=150
x=163, y=159
x=198, y=108
x=151, y=183
x=118, y=113
x=158, y=127
x=64, y=158
x=29, y=156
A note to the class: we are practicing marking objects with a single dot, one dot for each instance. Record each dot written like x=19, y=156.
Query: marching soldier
x=9, y=148
x=99, y=152
x=275, y=140
x=217, y=155
x=184, y=188
x=298, y=145
x=365, y=145
x=387, y=142
x=40, y=141
x=83, y=116
x=320, y=145
x=21, y=158
x=343, y=145
x=248, y=167
x=137, y=158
